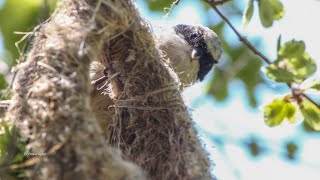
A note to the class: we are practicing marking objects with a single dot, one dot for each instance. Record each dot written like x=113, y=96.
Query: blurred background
x=226, y=106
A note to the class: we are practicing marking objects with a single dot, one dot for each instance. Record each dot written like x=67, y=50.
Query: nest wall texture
x=51, y=102
x=51, y=106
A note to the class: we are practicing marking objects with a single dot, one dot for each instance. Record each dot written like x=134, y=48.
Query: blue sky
x=234, y=121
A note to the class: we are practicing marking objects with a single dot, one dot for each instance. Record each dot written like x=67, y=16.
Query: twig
x=214, y=4
x=176, y=2
x=311, y=100
x=221, y=2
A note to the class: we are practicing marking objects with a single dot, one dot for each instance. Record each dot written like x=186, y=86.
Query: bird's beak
x=195, y=54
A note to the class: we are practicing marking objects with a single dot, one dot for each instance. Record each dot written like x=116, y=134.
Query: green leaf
x=292, y=49
x=269, y=11
x=293, y=64
x=278, y=10
x=308, y=129
x=159, y=5
x=291, y=113
x=302, y=67
x=278, y=111
x=311, y=114
x=278, y=75
x=248, y=12
x=315, y=85
x=266, y=13
x=279, y=43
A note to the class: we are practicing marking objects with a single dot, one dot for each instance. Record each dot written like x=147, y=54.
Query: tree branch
x=221, y=2
x=311, y=100
x=176, y=2
x=213, y=4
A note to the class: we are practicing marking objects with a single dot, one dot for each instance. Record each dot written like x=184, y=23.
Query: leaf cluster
x=269, y=11
x=292, y=66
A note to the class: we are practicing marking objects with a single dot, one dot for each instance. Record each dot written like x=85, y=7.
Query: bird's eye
x=193, y=36
x=105, y=72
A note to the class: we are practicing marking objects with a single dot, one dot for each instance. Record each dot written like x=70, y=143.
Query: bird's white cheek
x=179, y=53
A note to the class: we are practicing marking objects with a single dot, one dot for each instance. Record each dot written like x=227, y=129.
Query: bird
x=190, y=50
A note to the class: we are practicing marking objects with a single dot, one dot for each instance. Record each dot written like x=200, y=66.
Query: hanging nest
x=51, y=103
x=151, y=124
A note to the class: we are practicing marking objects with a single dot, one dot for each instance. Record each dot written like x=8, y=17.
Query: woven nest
x=51, y=102
x=143, y=113
x=150, y=123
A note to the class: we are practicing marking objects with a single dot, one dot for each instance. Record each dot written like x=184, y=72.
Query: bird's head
x=205, y=46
